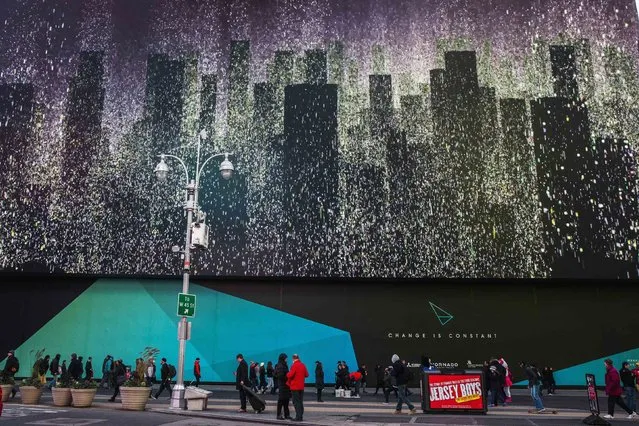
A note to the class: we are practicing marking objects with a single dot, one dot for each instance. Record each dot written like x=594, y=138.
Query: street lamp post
x=191, y=208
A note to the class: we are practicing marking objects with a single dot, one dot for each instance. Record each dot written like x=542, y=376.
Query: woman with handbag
x=120, y=377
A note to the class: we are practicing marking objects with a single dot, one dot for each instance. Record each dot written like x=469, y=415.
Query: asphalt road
x=366, y=411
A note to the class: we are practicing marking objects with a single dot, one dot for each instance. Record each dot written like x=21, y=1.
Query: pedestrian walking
x=54, y=369
x=43, y=367
x=263, y=383
x=269, y=377
x=401, y=375
x=119, y=372
x=389, y=386
x=63, y=367
x=75, y=367
x=88, y=369
x=364, y=372
x=107, y=365
x=614, y=391
x=284, y=392
x=508, y=381
x=494, y=383
x=241, y=380
x=629, y=386
x=11, y=367
x=296, y=377
x=197, y=372
x=319, y=380
x=150, y=373
x=165, y=376
x=534, y=383
x=379, y=378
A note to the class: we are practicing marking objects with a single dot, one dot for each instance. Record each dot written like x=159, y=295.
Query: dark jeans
x=242, y=399
x=494, y=396
x=283, y=403
x=197, y=381
x=631, y=398
x=402, y=398
x=357, y=384
x=166, y=384
x=116, y=392
x=612, y=400
x=319, y=394
x=298, y=403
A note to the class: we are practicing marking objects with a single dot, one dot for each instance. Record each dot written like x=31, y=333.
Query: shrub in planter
x=83, y=393
x=62, y=391
x=31, y=390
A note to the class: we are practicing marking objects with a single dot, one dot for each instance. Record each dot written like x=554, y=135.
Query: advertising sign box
x=453, y=391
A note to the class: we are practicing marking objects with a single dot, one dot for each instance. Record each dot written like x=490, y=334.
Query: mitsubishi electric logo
x=443, y=316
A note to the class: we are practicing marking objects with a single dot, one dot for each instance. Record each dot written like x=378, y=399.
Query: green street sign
x=186, y=305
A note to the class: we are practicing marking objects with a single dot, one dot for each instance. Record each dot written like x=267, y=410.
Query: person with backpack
x=106, y=371
x=11, y=367
x=167, y=372
x=401, y=375
x=534, y=382
x=356, y=380
x=54, y=369
x=197, y=372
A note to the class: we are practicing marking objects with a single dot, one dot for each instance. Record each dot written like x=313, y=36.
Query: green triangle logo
x=443, y=316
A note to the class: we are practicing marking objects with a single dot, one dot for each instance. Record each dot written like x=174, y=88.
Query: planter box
x=61, y=397
x=83, y=397
x=30, y=395
x=6, y=391
x=134, y=398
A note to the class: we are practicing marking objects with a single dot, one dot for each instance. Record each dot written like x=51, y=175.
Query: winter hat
x=394, y=358
x=261, y=364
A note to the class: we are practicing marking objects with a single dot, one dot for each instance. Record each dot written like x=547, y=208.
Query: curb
x=259, y=419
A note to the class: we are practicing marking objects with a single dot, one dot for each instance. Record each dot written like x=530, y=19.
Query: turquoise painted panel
x=121, y=317
x=576, y=375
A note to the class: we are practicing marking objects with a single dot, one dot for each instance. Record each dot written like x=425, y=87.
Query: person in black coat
x=54, y=370
x=319, y=380
x=75, y=367
x=119, y=372
x=281, y=370
x=495, y=385
x=166, y=380
x=11, y=367
x=379, y=378
x=241, y=380
x=88, y=369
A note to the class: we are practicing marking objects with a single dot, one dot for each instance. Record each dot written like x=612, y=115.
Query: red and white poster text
x=455, y=391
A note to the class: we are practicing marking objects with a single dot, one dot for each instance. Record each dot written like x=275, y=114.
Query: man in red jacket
x=197, y=372
x=296, y=377
x=614, y=391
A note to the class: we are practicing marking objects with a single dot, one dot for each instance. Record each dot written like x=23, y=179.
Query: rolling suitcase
x=256, y=402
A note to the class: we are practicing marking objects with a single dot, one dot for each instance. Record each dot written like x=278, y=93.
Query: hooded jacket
x=613, y=382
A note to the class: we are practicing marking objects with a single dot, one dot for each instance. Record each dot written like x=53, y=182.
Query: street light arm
x=186, y=172
x=199, y=172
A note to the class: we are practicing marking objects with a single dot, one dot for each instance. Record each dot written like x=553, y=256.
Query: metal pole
x=177, y=397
